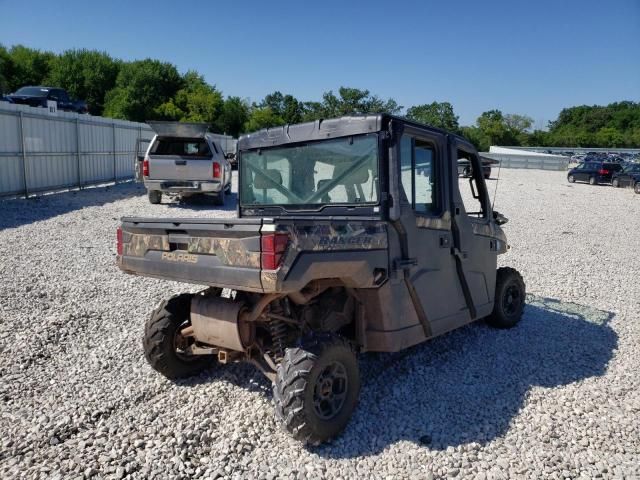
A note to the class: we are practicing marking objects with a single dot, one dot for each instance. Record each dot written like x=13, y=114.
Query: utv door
x=474, y=245
x=425, y=219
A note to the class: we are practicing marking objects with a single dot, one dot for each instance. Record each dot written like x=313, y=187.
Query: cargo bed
x=216, y=252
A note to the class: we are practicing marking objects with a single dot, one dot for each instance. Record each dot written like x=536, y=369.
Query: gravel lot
x=556, y=397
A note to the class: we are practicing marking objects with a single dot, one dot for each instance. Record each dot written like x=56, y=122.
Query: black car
x=464, y=167
x=629, y=176
x=593, y=172
x=38, y=96
x=5, y=99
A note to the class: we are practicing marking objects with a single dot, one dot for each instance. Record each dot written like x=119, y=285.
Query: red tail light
x=216, y=170
x=273, y=246
x=119, y=240
x=602, y=171
x=145, y=167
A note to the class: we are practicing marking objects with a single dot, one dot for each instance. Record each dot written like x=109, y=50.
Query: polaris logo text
x=179, y=257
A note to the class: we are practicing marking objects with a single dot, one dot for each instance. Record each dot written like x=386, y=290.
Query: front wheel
x=571, y=179
x=593, y=181
x=165, y=346
x=509, y=300
x=316, y=388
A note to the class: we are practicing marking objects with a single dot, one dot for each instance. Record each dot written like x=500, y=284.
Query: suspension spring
x=278, y=330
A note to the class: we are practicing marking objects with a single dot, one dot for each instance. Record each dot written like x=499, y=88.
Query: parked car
x=38, y=97
x=184, y=159
x=4, y=98
x=629, y=176
x=464, y=167
x=593, y=172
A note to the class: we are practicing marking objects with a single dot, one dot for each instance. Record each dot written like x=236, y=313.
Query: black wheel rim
x=511, y=300
x=330, y=391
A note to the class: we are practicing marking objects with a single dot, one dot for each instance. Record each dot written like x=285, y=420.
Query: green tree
x=440, y=115
x=30, y=66
x=609, y=137
x=354, y=101
x=286, y=107
x=476, y=137
x=235, y=113
x=6, y=69
x=597, y=125
x=141, y=87
x=492, y=126
x=85, y=74
x=517, y=127
x=196, y=101
x=262, y=117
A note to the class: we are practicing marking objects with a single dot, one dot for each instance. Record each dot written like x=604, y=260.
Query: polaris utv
x=353, y=234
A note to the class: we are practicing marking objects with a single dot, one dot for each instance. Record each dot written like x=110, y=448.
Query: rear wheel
x=636, y=188
x=219, y=198
x=615, y=182
x=155, y=196
x=593, y=181
x=571, y=179
x=509, y=300
x=164, y=345
x=316, y=388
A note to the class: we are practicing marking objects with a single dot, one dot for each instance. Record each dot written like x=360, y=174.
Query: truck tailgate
x=176, y=167
x=217, y=252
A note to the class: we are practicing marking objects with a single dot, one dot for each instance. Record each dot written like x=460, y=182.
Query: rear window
x=184, y=147
x=616, y=167
x=33, y=91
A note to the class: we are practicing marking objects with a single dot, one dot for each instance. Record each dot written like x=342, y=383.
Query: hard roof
x=323, y=129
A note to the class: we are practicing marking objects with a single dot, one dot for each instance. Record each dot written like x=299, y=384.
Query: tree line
x=150, y=89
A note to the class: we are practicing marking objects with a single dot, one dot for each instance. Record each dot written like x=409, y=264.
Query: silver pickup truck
x=184, y=159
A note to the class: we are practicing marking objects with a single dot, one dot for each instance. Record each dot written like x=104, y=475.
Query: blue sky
x=521, y=56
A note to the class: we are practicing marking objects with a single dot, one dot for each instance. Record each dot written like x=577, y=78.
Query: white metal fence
x=42, y=151
x=529, y=161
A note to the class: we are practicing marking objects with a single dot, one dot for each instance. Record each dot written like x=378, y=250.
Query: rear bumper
x=206, y=270
x=184, y=186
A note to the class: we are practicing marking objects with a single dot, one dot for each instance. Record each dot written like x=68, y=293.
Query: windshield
x=33, y=91
x=326, y=172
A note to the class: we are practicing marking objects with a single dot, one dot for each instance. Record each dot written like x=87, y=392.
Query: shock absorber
x=278, y=331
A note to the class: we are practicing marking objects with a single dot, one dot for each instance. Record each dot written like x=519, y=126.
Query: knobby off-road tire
x=161, y=335
x=510, y=299
x=155, y=196
x=316, y=388
x=220, y=198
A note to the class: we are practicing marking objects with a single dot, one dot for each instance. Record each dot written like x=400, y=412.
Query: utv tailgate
x=217, y=252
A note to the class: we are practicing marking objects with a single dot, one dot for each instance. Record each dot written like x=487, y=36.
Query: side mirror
x=499, y=218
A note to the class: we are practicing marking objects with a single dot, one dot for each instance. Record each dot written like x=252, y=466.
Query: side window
x=417, y=174
x=406, y=167
x=470, y=190
x=424, y=177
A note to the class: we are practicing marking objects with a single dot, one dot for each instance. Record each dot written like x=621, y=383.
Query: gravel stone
x=556, y=397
